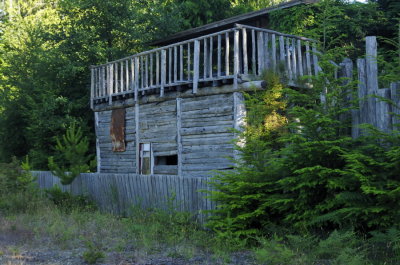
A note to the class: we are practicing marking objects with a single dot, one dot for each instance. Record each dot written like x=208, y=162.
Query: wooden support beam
x=163, y=71
x=219, y=57
x=273, y=53
x=226, y=53
x=300, y=58
x=91, y=87
x=236, y=59
x=196, y=65
x=260, y=52
x=244, y=49
x=179, y=137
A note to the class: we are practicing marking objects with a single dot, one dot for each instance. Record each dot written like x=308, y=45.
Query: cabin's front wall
x=196, y=130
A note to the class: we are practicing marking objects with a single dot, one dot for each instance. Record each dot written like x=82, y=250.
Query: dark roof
x=226, y=23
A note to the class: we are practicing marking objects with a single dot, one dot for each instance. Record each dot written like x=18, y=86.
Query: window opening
x=171, y=160
x=146, y=159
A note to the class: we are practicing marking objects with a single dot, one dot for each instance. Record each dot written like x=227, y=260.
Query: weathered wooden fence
x=117, y=193
x=377, y=106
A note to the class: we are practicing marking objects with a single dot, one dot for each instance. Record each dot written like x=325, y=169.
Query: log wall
x=199, y=130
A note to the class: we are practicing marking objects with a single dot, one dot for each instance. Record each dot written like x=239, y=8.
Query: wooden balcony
x=229, y=56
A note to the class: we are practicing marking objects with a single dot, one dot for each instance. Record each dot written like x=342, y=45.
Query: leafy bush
x=68, y=202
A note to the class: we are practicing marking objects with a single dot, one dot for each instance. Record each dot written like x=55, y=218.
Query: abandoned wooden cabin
x=172, y=110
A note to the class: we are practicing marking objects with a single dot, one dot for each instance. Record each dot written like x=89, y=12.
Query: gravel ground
x=20, y=247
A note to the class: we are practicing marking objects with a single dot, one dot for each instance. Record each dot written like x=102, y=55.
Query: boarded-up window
x=117, y=130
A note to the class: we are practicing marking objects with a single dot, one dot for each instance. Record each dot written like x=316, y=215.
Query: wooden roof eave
x=226, y=23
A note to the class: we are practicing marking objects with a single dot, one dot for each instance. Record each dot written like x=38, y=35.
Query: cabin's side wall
x=198, y=130
x=207, y=133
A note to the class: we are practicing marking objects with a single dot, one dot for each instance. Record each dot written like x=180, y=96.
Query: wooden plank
x=188, y=61
x=92, y=95
x=98, y=156
x=273, y=51
x=245, y=60
x=163, y=71
x=308, y=59
x=395, y=97
x=260, y=52
x=136, y=79
x=157, y=68
x=288, y=60
x=196, y=65
x=175, y=64
x=294, y=59
x=126, y=75
x=170, y=66
x=116, y=83
x=253, y=51
x=179, y=137
x=137, y=134
x=281, y=50
x=146, y=70
x=210, y=59
x=383, y=110
x=181, y=62
x=219, y=54
x=371, y=64
x=205, y=58
x=122, y=76
x=300, y=58
x=236, y=59
x=265, y=48
x=315, y=59
x=226, y=53
x=151, y=70
x=141, y=58
x=132, y=74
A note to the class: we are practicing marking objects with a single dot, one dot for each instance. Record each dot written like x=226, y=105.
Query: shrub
x=93, y=254
x=308, y=174
x=68, y=202
x=18, y=191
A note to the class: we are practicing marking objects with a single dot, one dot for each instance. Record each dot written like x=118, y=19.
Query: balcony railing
x=228, y=54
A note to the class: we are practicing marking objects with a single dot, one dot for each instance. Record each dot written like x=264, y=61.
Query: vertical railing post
x=106, y=82
x=315, y=59
x=196, y=62
x=163, y=71
x=244, y=49
x=137, y=77
x=188, y=61
x=226, y=53
x=300, y=58
x=133, y=74
x=91, y=86
x=236, y=59
x=260, y=52
x=273, y=54
x=219, y=57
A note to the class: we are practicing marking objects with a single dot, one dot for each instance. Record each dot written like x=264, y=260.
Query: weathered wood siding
x=115, y=162
x=199, y=131
x=207, y=133
x=117, y=193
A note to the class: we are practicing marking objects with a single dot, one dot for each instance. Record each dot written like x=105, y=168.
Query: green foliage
x=67, y=202
x=18, y=191
x=308, y=174
x=73, y=148
x=340, y=247
x=93, y=254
